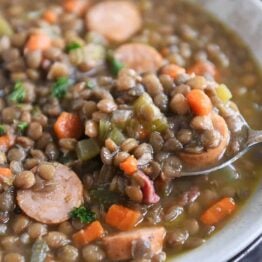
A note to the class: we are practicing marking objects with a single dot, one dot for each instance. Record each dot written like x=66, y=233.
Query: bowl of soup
x=104, y=105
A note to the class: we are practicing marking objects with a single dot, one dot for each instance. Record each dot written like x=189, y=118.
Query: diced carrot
x=38, y=41
x=88, y=234
x=6, y=142
x=6, y=175
x=199, y=102
x=68, y=125
x=75, y=6
x=50, y=16
x=217, y=212
x=204, y=68
x=129, y=166
x=122, y=217
x=173, y=70
x=5, y=172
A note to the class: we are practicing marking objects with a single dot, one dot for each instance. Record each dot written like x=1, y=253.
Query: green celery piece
x=223, y=93
x=159, y=125
x=87, y=149
x=104, y=129
x=142, y=103
x=5, y=28
x=117, y=136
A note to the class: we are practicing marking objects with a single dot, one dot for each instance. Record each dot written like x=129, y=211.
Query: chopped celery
x=117, y=136
x=145, y=109
x=143, y=99
x=87, y=149
x=133, y=127
x=151, y=116
x=159, y=125
x=223, y=93
x=104, y=129
x=5, y=28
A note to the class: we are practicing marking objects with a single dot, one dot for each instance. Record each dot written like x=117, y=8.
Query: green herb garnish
x=2, y=130
x=60, y=87
x=114, y=65
x=83, y=214
x=18, y=93
x=72, y=46
x=90, y=84
x=22, y=126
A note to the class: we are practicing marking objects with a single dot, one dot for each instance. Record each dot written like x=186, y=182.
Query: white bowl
x=245, y=18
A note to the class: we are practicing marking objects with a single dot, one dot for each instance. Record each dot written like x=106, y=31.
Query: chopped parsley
x=90, y=84
x=60, y=87
x=72, y=46
x=18, y=93
x=22, y=126
x=2, y=130
x=114, y=65
x=83, y=214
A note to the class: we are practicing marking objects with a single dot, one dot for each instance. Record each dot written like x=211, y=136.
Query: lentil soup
x=103, y=104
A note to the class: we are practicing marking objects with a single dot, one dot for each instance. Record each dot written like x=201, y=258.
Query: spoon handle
x=254, y=137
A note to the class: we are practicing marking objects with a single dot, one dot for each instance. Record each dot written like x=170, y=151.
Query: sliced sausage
x=119, y=246
x=211, y=156
x=143, y=58
x=53, y=207
x=116, y=20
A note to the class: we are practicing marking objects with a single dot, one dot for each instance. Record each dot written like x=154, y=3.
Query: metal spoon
x=249, y=138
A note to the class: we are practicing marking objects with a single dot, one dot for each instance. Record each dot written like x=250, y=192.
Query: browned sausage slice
x=118, y=246
x=211, y=156
x=143, y=58
x=116, y=20
x=53, y=207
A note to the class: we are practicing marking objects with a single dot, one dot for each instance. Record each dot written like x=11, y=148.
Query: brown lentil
x=179, y=104
x=25, y=180
x=46, y=171
x=36, y=230
x=35, y=131
x=93, y=253
x=20, y=224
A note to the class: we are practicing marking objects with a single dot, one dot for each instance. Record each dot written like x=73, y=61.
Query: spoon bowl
x=249, y=138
